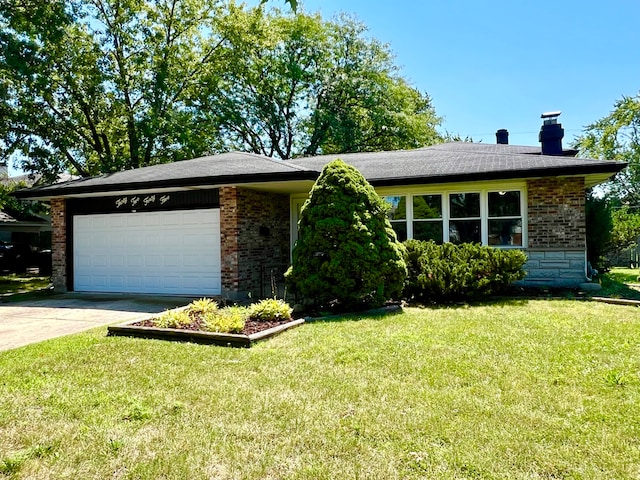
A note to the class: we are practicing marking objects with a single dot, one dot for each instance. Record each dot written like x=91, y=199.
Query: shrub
x=441, y=273
x=226, y=320
x=346, y=253
x=203, y=306
x=173, y=319
x=270, y=310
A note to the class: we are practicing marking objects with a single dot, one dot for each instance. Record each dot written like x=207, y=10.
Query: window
x=398, y=215
x=505, y=218
x=464, y=218
x=488, y=217
x=427, y=218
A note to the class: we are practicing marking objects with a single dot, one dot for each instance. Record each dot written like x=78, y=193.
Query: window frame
x=445, y=195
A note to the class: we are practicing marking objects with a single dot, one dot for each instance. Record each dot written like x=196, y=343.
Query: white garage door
x=176, y=252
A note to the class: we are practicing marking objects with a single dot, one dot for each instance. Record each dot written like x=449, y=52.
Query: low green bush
x=173, y=319
x=226, y=320
x=269, y=310
x=448, y=272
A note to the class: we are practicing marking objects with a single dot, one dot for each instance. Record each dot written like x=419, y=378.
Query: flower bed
x=202, y=322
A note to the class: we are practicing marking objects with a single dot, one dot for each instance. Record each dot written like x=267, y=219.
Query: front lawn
x=620, y=283
x=537, y=389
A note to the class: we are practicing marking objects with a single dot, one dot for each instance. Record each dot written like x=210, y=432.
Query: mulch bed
x=250, y=326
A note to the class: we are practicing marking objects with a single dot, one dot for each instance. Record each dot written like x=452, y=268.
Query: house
x=220, y=224
x=19, y=227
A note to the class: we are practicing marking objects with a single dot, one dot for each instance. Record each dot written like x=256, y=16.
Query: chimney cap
x=550, y=118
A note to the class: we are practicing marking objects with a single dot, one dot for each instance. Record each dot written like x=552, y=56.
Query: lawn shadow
x=613, y=288
x=375, y=313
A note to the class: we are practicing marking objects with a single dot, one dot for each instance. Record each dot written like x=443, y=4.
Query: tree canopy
x=97, y=86
x=617, y=137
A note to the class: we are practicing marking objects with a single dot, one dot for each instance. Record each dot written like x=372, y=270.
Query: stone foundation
x=555, y=268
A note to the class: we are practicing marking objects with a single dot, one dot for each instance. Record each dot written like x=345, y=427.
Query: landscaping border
x=617, y=301
x=127, y=329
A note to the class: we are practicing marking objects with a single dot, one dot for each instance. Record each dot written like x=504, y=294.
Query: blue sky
x=500, y=64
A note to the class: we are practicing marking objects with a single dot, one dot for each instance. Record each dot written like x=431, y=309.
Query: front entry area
x=164, y=252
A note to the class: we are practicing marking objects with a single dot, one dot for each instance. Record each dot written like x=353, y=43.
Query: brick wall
x=255, y=238
x=556, y=213
x=59, y=244
x=557, y=232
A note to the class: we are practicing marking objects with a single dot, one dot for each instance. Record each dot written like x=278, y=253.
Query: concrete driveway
x=33, y=321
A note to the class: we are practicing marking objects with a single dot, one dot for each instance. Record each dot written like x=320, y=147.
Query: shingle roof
x=462, y=161
x=449, y=162
x=226, y=168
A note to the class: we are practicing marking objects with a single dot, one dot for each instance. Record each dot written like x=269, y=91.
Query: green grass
x=536, y=389
x=615, y=283
x=624, y=275
x=22, y=283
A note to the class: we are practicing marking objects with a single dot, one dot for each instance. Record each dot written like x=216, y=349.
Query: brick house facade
x=254, y=229
x=557, y=232
x=248, y=203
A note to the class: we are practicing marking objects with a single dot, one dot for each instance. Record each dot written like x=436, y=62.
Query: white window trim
x=484, y=207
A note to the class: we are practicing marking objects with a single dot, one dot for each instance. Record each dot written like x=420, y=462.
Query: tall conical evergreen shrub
x=347, y=252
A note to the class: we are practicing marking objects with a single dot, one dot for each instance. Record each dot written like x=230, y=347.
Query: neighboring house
x=218, y=225
x=34, y=230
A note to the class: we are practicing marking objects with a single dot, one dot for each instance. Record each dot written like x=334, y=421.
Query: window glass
x=428, y=231
x=398, y=210
x=504, y=204
x=398, y=215
x=505, y=232
x=401, y=230
x=427, y=206
x=464, y=205
x=464, y=231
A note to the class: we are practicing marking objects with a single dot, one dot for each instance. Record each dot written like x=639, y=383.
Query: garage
x=174, y=252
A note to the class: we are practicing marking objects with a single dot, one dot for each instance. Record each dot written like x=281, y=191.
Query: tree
x=617, y=137
x=625, y=228
x=346, y=253
x=16, y=207
x=103, y=85
x=303, y=86
x=97, y=86
x=599, y=225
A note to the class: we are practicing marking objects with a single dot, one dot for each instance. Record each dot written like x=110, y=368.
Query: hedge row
x=448, y=272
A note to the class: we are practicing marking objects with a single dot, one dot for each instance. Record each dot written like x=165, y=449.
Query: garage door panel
x=148, y=252
x=172, y=218
x=117, y=281
x=116, y=261
x=135, y=281
x=152, y=220
x=171, y=261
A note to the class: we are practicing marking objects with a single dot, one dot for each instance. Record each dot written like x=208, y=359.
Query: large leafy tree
x=103, y=85
x=299, y=85
x=617, y=137
x=97, y=86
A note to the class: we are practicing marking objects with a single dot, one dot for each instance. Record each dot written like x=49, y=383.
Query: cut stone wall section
x=555, y=268
x=59, y=244
x=255, y=238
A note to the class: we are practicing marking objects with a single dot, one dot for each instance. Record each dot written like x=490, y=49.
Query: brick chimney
x=551, y=134
x=502, y=137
